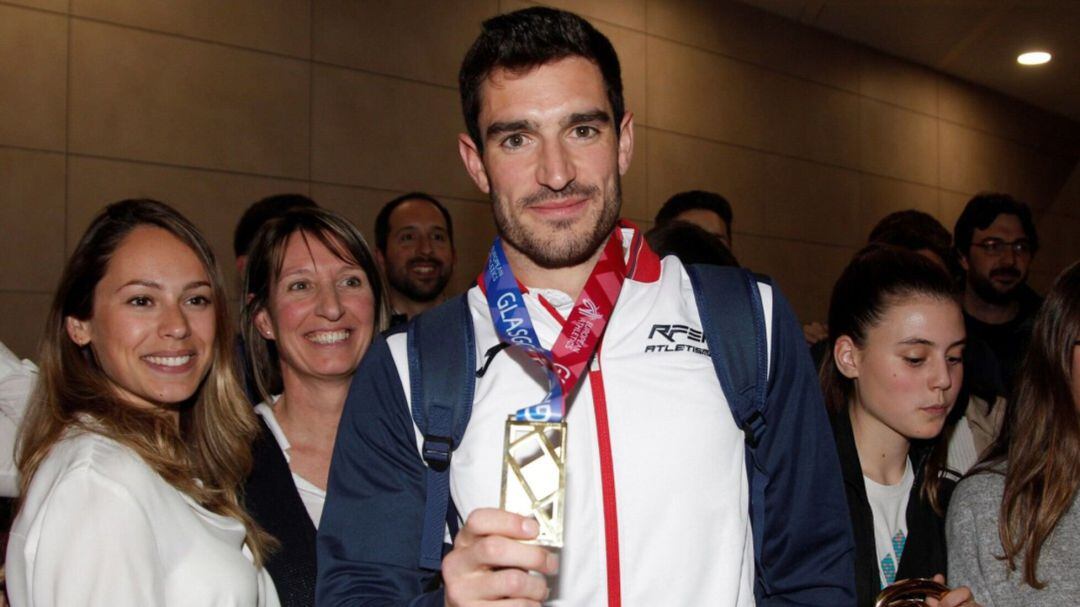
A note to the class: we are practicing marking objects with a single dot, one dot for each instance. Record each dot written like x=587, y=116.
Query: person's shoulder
x=83, y=454
x=12, y=366
x=86, y=474
x=981, y=490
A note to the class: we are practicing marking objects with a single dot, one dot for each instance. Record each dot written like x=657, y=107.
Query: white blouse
x=311, y=494
x=17, y=379
x=100, y=527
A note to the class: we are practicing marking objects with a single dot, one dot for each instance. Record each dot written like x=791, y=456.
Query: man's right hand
x=489, y=565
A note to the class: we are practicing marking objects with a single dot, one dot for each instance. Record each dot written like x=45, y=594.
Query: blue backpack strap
x=733, y=320
x=441, y=353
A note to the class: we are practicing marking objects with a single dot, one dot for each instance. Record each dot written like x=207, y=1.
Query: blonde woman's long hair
x=207, y=455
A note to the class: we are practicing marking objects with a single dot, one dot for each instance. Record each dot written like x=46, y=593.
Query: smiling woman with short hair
x=314, y=302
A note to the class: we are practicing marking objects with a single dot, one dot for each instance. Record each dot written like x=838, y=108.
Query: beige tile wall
x=210, y=105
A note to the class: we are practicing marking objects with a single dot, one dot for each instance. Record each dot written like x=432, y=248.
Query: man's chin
x=552, y=256
x=423, y=293
x=999, y=294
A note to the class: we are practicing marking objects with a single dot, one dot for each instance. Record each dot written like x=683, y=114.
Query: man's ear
x=626, y=142
x=963, y=261
x=380, y=260
x=77, y=330
x=474, y=162
x=263, y=324
x=846, y=357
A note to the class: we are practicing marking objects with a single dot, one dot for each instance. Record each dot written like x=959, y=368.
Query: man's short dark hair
x=913, y=230
x=983, y=210
x=526, y=39
x=692, y=200
x=690, y=243
x=916, y=231
x=382, y=220
x=261, y=212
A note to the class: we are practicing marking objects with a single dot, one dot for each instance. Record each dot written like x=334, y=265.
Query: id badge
x=534, y=476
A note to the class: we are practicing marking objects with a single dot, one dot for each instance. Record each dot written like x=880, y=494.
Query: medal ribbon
x=580, y=335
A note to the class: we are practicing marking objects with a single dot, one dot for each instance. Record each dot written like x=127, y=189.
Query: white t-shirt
x=312, y=496
x=100, y=528
x=889, y=505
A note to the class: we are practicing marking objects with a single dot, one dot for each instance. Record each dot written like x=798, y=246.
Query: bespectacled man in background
x=996, y=241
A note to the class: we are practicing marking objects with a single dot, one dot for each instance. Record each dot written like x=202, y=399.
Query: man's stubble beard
x=562, y=251
x=399, y=280
x=984, y=288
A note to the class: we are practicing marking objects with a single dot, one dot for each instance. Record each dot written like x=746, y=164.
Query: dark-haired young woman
x=138, y=436
x=1013, y=526
x=897, y=337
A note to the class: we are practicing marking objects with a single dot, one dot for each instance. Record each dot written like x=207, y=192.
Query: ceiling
x=975, y=40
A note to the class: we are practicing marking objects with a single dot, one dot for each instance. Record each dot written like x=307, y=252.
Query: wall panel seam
x=32, y=150
x=67, y=131
x=311, y=93
x=834, y=87
x=478, y=199
x=188, y=37
x=36, y=9
x=1075, y=145
x=761, y=66
x=278, y=55
x=370, y=72
x=187, y=167
x=776, y=154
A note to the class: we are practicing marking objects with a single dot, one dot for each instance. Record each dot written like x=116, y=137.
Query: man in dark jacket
x=658, y=503
x=996, y=241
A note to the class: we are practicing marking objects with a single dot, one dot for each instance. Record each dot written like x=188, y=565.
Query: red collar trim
x=642, y=264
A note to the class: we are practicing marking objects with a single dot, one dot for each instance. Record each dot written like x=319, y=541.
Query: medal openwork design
x=534, y=476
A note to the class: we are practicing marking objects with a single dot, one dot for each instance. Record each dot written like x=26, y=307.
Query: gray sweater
x=972, y=537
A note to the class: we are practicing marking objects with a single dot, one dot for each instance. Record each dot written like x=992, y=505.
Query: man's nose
x=556, y=169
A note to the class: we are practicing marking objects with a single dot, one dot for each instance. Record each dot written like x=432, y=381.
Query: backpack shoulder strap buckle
x=754, y=428
x=437, y=451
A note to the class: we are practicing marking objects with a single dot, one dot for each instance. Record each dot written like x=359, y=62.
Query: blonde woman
x=137, y=437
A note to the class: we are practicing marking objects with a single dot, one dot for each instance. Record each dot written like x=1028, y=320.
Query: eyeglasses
x=995, y=247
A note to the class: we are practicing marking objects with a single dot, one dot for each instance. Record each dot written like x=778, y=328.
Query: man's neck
x=409, y=307
x=570, y=280
x=989, y=313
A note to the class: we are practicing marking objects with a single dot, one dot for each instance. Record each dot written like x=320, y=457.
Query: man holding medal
x=608, y=368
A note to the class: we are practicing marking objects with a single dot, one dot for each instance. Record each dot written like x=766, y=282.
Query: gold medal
x=534, y=476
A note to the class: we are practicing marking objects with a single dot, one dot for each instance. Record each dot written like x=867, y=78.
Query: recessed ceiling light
x=1033, y=58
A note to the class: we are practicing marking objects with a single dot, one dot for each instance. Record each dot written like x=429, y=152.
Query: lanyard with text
x=580, y=335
